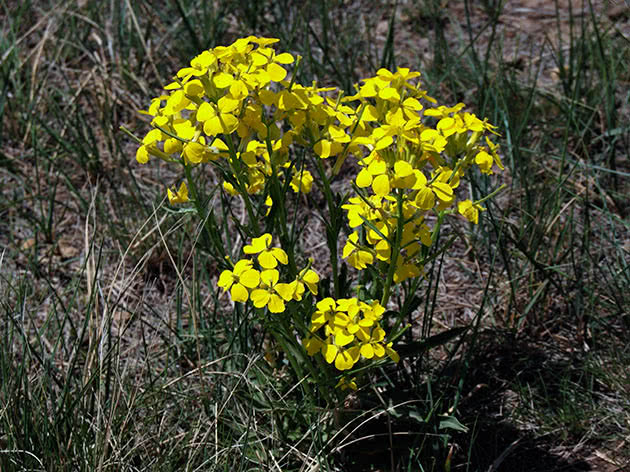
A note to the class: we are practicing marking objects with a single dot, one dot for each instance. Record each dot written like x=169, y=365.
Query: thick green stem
x=277, y=193
x=199, y=208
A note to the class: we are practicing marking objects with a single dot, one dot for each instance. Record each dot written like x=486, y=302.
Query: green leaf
x=450, y=422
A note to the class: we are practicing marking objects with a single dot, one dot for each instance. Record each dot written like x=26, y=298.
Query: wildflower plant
x=239, y=109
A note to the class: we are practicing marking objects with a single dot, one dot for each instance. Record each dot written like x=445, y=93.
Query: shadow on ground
x=529, y=407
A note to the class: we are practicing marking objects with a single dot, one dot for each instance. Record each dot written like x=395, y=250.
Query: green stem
x=198, y=205
x=491, y=195
x=277, y=193
x=285, y=337
x=405, y=308
x=241, y=188
x=334, y=226
x=394, y=250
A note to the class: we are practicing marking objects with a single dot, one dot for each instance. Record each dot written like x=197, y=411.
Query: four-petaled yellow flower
x=240, y=280
x=271, y=293
x=358, y=257
x=220, y=117
x=268, y=258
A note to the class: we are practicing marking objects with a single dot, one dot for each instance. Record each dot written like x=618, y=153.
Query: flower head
x=179, y=196
x=268, y=258
x=240, y=280
x=271, y=293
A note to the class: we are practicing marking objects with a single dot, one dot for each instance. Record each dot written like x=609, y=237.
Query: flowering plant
x=237, y=109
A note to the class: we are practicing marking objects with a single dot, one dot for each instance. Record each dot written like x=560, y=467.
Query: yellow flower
x=269, y=64
x=405, y=271
x=375, y=175
x=219, y=118
x=493, y=149
x=175, y=103
x=268, y=258
x=149, y=146
x=199, y=152
x=180, y=196
x=344, y=359
x=358, y=257
x=351, y=330
x=405, y=175
x=173, y=146
x=302, y=181
x=346, y=383
x=239, y=280
x=313, y=345
x=359, y=211
x=470, y=210
x=372, y=346
x=198, y=66
x=443, y=111
x=271, y=293
x=407, y=168
x=484, y=161
x=306, y=278
x=310, y=278
x=142, y=154
x=325, y=148
x=393, y=355
x=325, y=313
x=229, y=188
x=432, y=140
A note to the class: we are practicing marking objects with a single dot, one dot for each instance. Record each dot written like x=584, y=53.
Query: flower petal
x=276, y=304
x=250, y=278
x=367, y=351
x=280, y=255
x=286, y=291
x=343, y=338
x=260, y=298
x=381, y=186
x=239, y=293
x=266, y=260
x=330, y=352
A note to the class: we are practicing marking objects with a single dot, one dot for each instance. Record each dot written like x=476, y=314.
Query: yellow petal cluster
x=411, y=157
x=346, y=330
x=225, y=105
x=260, y=282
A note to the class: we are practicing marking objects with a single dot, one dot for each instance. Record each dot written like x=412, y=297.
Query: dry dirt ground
x=528, y=30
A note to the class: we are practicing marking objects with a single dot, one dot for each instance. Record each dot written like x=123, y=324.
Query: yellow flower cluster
x=223, y=106
x=408, y=169
x=262, y=286
x=347, y=329
x=233, y=106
